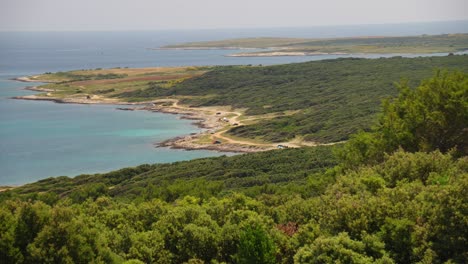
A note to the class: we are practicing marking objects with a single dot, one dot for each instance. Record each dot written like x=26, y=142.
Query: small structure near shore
x=282, y=147
x=216, y=142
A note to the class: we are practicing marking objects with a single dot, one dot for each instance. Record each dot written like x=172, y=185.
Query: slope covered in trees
x=333, y=98
x=297, y=170
x=396, y=195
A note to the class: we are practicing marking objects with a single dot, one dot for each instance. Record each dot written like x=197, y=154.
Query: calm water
x=42, y=139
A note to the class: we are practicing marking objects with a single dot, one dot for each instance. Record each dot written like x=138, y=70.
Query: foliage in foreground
x=291, y=170
x=408, y=209
x=405, y=204
x=431, y=117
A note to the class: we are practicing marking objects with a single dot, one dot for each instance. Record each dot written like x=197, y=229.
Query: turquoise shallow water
x=41, y=139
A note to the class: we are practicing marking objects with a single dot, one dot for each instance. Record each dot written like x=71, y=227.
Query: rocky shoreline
x=208, y=121
x=186, y=143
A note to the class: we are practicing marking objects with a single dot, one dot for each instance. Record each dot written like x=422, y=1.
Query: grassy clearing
x=111, y=83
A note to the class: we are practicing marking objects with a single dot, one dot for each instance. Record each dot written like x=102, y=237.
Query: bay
x=42, y=139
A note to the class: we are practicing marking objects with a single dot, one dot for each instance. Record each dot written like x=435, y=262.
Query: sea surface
x=41, y=139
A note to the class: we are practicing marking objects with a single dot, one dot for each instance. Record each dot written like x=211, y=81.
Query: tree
x=31, y=220
x=434, y=116
x=339, y=249
x=255, y=246
x=9, y=253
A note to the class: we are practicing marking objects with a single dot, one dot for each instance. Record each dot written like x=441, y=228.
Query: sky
x=86, y=15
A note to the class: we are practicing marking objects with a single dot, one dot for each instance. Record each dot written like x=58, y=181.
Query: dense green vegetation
x=432, y=117
x=298, y=170
x=395, y=195
x=336, y=98
x=152, y=90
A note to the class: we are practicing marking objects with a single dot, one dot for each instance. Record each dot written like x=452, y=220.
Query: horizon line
x=231, y=28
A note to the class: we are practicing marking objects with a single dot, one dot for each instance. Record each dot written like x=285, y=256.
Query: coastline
x=283, y=54
x=271, y=51
x=38, y=89
x=208, y=118
x=208, y=121
x=203, y=48
x=95, y=100
x=28, y=79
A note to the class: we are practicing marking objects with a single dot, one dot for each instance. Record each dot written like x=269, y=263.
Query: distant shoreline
x=283, y=46
x=284, y=54
x=202, y=48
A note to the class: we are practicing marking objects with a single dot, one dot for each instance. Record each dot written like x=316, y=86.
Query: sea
x=41, y=139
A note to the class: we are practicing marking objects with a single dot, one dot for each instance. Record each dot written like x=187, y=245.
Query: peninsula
x=355, y=45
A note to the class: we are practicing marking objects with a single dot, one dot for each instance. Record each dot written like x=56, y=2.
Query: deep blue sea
x=42, y=139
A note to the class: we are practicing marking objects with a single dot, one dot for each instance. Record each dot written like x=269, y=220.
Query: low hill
x=334, y=98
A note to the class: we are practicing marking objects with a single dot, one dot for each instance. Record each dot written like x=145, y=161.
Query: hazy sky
x=190, y=14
